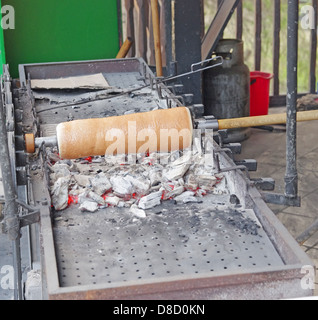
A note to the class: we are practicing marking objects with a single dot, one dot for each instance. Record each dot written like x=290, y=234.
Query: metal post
x=187, y=43
x=291, y=176
x=11, y=219
x=171, y=65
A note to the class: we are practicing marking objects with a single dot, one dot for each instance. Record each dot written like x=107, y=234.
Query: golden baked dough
x=160, y=130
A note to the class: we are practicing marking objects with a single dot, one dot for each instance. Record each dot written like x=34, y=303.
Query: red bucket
x=259, y=93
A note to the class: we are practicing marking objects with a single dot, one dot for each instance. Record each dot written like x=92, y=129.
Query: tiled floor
x=269, y=149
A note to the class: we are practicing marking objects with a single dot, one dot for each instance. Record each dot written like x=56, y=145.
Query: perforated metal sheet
x=111, y=246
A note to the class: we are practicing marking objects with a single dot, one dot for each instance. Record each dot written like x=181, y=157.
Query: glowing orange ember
x=72, y=199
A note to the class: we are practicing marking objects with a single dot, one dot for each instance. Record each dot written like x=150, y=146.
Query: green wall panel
x=61, y=30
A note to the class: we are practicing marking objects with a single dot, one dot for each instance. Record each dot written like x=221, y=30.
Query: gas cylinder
x=226, y=88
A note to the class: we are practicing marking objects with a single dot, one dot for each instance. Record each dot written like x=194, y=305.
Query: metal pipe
x=291, y=176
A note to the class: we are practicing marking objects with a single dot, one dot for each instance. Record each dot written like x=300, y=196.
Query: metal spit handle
x=195, y=71
x=205, y=62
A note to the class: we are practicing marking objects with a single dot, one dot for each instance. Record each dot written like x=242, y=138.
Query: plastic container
x=259, y=93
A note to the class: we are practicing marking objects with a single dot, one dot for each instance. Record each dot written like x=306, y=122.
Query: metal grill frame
x=257, y=283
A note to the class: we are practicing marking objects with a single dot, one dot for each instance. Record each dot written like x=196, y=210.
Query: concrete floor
x=269, y=149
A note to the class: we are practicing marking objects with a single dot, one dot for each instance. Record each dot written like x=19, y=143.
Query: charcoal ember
x=131, y=159
x=181, y=182
x=121, y=186
x=185, y=195
x=71, y=165
x=171, y=191
x=89, y=195
x=140, y=186
x=207, y=182
x=175, y=172
x=219, y=176
x=115, y=159
x=129, y=203
x=147, y=160
x=98, y=159
x=100, y=184
x=155, y=177
x=112, y=201
x=84, y=169
x=82, y=180
x=140, y=213
x=200, y=193
x=197, y=144
x=221, y=187
x=121, y=204
x=59, y=171
x=209, y=150
x=76, y=191
x=89, y=206
x=151, y=200
x=178, y=168
x=163, y=158
x=190, y=182
x=174, y=156
x=59, y=193
x=95, y=197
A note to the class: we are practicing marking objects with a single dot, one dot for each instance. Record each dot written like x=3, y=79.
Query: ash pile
x=137, y=181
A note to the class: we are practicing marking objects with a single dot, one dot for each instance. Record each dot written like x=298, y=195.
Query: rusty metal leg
x=291, y=177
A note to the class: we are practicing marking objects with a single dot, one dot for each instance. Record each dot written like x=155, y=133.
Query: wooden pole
x=271, y=119
x=156, y=35
x=124, y=48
